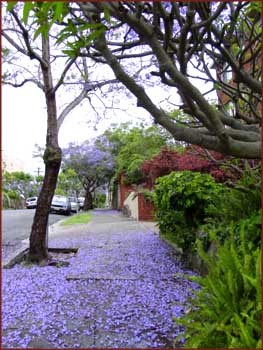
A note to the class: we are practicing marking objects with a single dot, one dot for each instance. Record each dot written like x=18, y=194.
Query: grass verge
x=82, y=218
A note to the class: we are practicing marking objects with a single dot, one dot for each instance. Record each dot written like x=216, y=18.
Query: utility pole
x=38, y=171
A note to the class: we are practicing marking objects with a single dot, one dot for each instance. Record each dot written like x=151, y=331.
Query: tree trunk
x=38, y=250
x=88, y=203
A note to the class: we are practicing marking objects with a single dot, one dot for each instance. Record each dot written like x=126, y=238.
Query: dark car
x=60, y=204
x=31, y=202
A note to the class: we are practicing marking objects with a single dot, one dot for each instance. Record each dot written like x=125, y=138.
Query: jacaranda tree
x=93, y=167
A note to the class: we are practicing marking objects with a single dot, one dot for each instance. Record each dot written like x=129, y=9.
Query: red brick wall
x=146, y=209
x=124, y=191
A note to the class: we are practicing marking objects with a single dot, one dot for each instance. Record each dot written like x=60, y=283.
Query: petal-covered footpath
x=119, y=290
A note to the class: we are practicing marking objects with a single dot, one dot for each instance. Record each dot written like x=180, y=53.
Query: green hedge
x=181, y=200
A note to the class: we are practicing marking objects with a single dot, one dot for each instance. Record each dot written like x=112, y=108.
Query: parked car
x=74, y=204
x=60, y=204
x=31, y=202
x=81, y=201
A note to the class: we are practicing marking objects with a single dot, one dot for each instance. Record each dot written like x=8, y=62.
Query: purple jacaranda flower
x=126, y=291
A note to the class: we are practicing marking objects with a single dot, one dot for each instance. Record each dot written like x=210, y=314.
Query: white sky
x=24, y=124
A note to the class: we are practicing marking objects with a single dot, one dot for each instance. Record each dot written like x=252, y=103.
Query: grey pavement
x=119, y=290
x=16, y=224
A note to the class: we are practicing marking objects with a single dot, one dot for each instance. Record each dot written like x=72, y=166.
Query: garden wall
x=124, y=191
x=146, y=209
x=134, y=205
x=131, y=206
x=138, y=208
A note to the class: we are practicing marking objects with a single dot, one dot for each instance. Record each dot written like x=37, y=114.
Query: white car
x=60, y=204
x=74, y=204
x=31, y=202
x=81, y=201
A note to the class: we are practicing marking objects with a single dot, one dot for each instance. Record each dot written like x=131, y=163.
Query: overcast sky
x=24, y=123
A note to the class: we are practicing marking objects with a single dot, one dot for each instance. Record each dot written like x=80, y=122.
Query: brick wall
x=146, y=209
x=124, y=191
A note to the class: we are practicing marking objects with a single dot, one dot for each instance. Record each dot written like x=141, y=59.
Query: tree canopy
x=186, y=45
x=131, y=146
x=93, y=167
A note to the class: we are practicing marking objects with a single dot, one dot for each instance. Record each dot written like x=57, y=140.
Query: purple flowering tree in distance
x=93, y=166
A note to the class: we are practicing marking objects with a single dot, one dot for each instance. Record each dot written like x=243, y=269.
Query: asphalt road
x=16, y=224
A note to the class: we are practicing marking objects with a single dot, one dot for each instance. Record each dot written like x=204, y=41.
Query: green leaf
x=107, y=15
x=70, y=53
x=58, y=11
x=43, y=29
x=216, y=86
x=28, y=6
x=37, y=33
x=11, y=5
x=46, y=6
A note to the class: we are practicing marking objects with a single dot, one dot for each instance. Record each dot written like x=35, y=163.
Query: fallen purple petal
x=128, y=296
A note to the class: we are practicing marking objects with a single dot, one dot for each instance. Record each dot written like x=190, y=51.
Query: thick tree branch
x=221, y=131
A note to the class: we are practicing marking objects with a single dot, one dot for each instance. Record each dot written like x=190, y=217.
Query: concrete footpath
x=120, y=290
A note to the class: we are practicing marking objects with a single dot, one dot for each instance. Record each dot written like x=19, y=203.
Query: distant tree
x=18, y=185
x=69, y=183
x=132, y=145
x=93, y=166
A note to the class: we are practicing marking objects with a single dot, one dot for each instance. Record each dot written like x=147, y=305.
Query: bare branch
x=13, y=43
x=65, y=71
x=36, y=82
x=30, y=53
x=84, y=93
